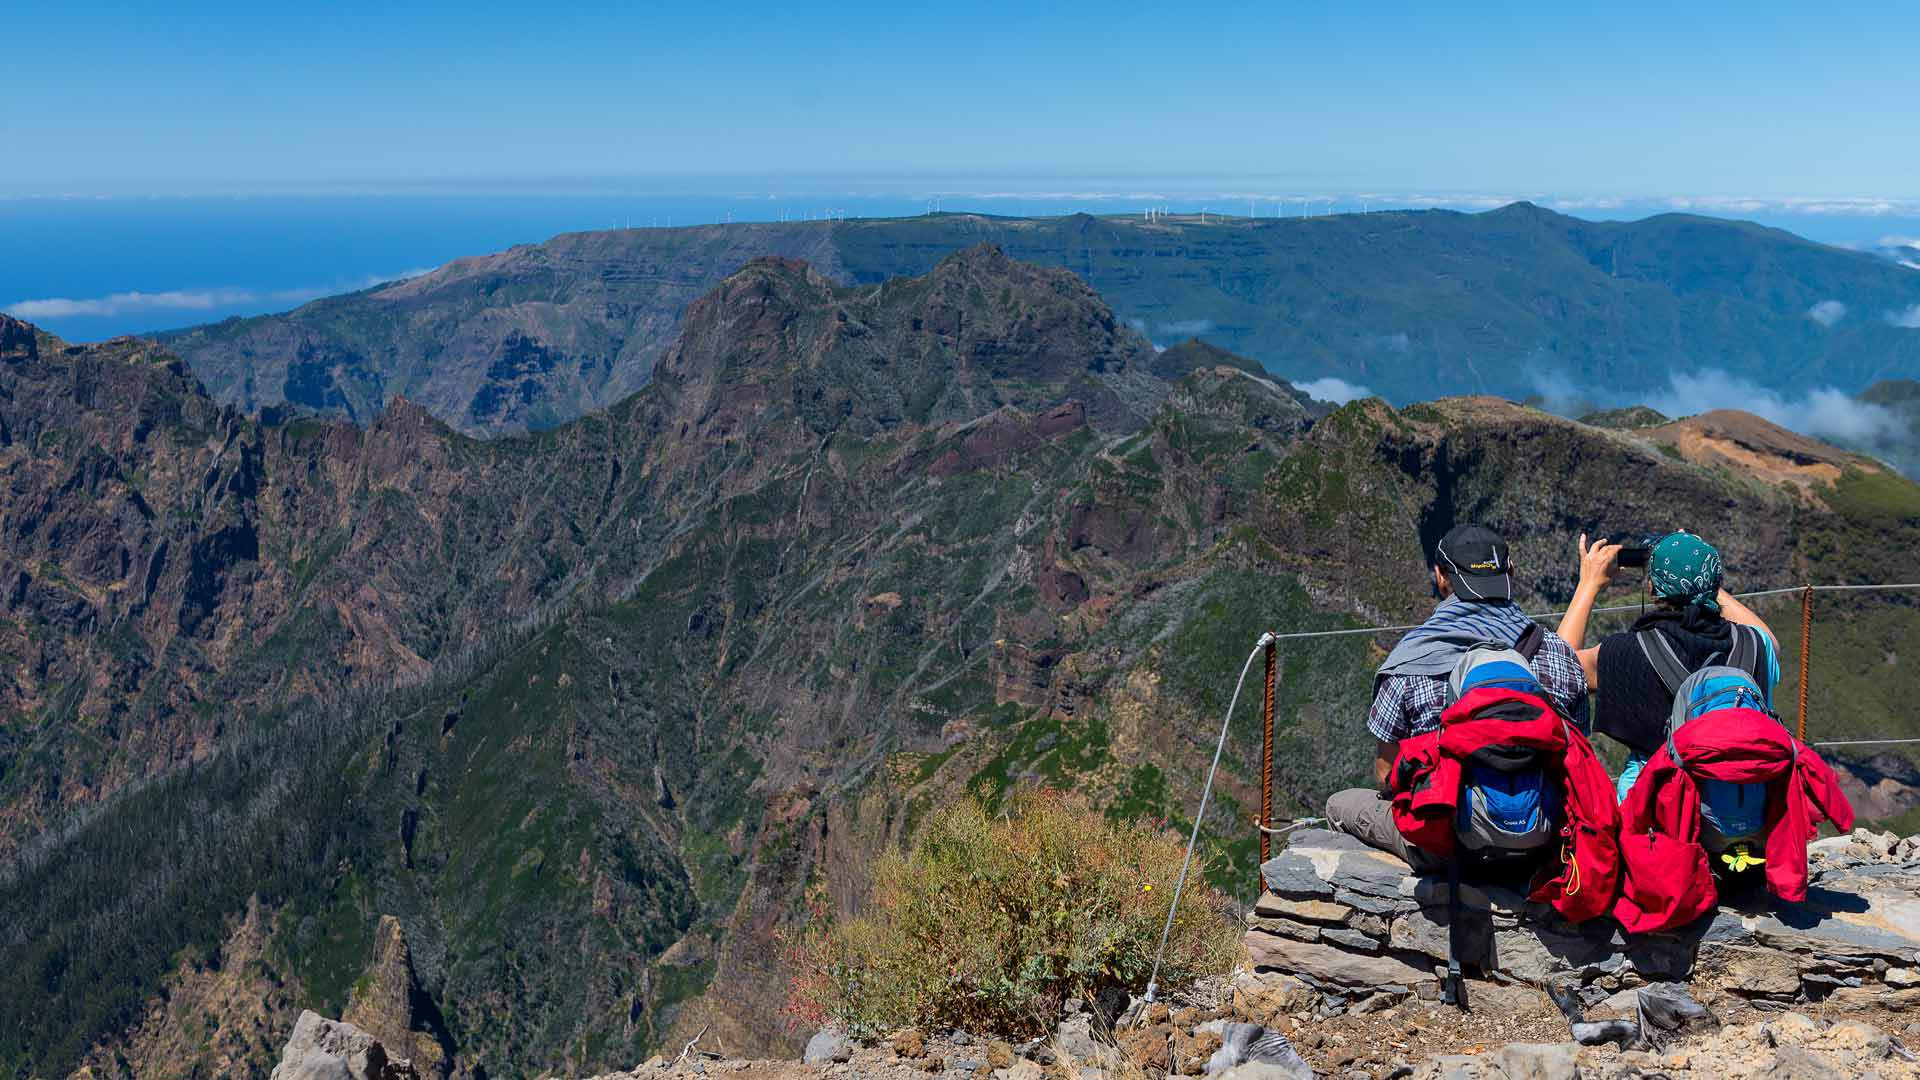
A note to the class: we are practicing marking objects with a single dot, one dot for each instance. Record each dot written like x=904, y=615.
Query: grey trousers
x=1363, y=814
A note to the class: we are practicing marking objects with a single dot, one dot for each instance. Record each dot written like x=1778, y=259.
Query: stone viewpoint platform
x=1357, y=925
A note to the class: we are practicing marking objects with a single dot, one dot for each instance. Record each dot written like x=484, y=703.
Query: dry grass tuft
x=992, y=922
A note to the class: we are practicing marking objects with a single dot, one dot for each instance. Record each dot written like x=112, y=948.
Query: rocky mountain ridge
x=1410, y=304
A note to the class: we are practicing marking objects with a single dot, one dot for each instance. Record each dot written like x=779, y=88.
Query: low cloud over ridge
x=185, y=300
x=1827, y=312
x=1823, y=413
x=1336, y=390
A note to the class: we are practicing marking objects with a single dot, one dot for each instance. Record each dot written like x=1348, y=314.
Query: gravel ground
x=1854, y=1036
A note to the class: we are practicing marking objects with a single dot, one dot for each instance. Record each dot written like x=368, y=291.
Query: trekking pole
x=1806, y=652
x=1266, y=753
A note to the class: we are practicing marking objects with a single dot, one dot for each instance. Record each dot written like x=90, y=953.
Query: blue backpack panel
x=1507, y=801
x=1730, y=813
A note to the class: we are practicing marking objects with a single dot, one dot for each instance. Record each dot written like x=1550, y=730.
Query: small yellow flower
x=1146, y=888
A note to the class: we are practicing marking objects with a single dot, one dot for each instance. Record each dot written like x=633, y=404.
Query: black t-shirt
x=1634, y=703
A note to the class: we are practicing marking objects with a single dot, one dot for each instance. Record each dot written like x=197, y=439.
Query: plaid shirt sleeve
x=1384, y=719
x=1564, y=680
x=1406, y=705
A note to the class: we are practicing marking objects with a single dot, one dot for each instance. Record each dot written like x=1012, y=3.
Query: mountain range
x=597, y=713
x=1406, y=304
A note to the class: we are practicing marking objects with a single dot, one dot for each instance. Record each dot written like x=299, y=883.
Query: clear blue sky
x=1751, y=98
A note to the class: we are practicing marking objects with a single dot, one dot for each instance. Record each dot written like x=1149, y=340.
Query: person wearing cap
x=1693, y=613
x=1472, y=571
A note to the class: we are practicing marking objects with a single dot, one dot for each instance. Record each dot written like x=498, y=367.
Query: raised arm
x=1596, y=570
x=1734, y=611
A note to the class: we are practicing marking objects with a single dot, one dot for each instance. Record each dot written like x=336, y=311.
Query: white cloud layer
x=185, y=300
x=1738, y=204
x=1910, y=318
x=1827, y=312
x=1825, y=412
x=1336, y=390
x=1185, y=327
x=60, y=307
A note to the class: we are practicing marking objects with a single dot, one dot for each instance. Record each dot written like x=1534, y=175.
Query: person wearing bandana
x=1695, y=616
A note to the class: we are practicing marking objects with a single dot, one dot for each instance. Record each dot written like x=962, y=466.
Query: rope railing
x=1267, y=644
x=1806, y=655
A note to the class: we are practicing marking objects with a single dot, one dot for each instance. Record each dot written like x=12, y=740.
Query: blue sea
x=88, y=268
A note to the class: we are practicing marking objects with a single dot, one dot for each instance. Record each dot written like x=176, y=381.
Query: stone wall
x=1352, y=922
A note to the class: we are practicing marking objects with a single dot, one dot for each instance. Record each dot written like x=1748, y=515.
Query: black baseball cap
x=1477, y=562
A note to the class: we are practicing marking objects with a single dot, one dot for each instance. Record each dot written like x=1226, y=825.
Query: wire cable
x=1153, y=980
x=1299, y=823
x=1297, y=635
x=1864, y=742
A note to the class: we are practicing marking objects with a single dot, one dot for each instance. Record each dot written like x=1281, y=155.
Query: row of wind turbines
x=1306, y=207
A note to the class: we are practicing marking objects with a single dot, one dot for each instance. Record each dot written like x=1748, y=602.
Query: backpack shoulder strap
x=1745, y=654
x=1666, y=663
x=1530, y=640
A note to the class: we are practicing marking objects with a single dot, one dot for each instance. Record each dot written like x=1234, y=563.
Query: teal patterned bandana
x=1685, y=567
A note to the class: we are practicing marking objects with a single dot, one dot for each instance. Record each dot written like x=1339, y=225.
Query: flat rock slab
x=1331, y=963
x=1349, y=917
x=1325, y=912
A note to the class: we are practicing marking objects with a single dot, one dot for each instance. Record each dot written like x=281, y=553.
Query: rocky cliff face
x=168, y=566
x=222, y=1011
x=388, y=1004
x=529, y=337
x=669, y=670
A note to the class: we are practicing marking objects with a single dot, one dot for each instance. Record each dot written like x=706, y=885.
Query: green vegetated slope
x=1413, y=304
x=854, y=552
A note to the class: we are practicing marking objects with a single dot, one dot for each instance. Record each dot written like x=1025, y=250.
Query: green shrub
x=1875, y=497
x=992, y=922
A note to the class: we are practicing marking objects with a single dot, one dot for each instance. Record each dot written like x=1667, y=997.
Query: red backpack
x=1428, y=780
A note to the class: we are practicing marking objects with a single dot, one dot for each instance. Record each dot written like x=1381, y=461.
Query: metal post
x=1266, y=755
x=1806, y=652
